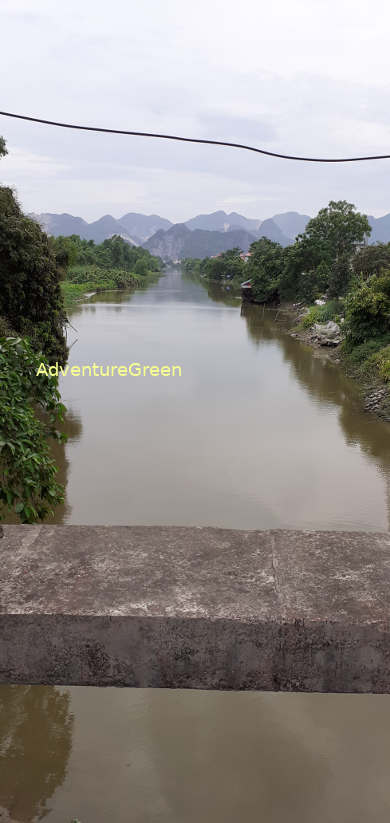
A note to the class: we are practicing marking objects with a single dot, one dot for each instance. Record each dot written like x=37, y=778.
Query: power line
x=195, y=140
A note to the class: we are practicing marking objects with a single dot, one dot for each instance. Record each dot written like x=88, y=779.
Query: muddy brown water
x=258, y=432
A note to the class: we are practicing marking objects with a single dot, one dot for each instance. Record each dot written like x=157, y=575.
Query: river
x=257, y=432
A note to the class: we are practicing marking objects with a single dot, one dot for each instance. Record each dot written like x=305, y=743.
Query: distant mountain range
x=201, y=236
x=135, y=228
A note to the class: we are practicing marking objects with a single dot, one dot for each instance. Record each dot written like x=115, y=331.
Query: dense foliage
x=113, y=253
x=264, y=268
x=371, y=260
x=368, y=310
x=31, y=305
x=27, y=472
x=228, y=265
x=30, y=294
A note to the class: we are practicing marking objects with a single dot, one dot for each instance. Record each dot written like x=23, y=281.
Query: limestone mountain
x=221, y=221
x=134, y=228
x=270, y=229
x=179, y=241
x=65, y=224
x=99, y=230
x=143, y=225
x=106, y=226
x=291, y=223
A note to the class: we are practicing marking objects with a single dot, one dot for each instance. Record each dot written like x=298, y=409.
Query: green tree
x=65, y=251
x=113, y=253
x=225, y=266
x=371, y=260
x=141, y=266
x=30, y=294
x=331, y=238
x=264, y=269
x=368, y=311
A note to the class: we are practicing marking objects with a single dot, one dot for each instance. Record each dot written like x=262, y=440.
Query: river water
x=257, y=432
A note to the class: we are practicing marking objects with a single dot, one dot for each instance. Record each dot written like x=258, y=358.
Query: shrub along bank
x=32, y=327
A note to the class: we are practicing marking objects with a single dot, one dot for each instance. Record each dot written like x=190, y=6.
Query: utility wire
x=196, y=140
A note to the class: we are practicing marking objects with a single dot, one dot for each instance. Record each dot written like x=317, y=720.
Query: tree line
x=331, y=260
x=113, y=253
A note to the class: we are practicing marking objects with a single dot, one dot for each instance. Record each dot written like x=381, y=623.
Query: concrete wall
x=196, y=608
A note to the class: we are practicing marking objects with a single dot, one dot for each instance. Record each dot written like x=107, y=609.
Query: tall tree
x=332, y=237
x=264, y=268
x=30, y=294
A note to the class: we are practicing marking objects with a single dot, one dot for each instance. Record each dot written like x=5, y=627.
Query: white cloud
x=23, y=164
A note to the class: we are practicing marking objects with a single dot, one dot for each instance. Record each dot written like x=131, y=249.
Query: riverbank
x=84, y=282
x=362, y=363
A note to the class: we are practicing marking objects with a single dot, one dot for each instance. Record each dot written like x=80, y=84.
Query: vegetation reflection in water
x=35, y=744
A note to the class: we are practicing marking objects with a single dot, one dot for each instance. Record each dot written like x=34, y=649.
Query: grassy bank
x=83, y=279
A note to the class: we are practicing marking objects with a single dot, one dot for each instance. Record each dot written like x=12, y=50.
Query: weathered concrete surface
x=195, y=608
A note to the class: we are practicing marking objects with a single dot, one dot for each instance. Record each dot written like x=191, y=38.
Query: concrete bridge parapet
x=201, y=608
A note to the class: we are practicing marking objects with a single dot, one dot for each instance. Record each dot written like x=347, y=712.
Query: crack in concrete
x=274, y=564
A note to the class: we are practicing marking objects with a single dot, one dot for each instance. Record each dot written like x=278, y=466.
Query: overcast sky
x=295, y=76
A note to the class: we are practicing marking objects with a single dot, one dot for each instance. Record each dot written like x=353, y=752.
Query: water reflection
x=160, y=756
x=322, y=378
x=35, y=744
x=72, y=427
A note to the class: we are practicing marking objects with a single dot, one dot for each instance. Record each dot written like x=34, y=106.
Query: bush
x=369, y=362
x=384, y=364
x=368, y=310
x=332, y=310
x=30, y=409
